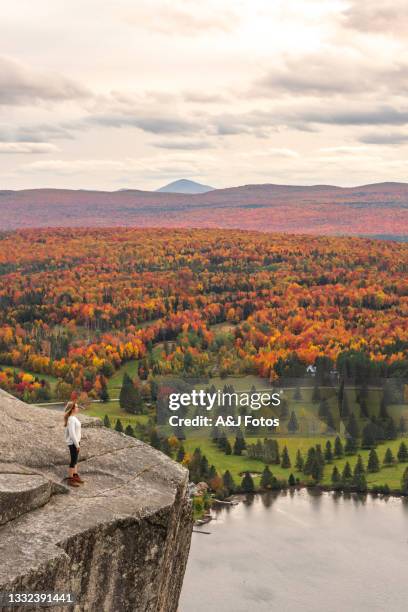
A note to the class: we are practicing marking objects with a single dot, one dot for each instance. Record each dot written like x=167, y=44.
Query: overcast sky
x=109, y=94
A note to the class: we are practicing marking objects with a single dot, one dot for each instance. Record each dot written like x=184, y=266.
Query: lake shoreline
x=317, y=489
x=238, y=498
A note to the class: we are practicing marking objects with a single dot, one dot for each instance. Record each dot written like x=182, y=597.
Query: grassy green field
x=236, y=465
x=131, y=368
x=115, y=381
x=240, y=383
x=114, y=412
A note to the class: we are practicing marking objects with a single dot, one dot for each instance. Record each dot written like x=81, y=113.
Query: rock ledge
x=119, y=543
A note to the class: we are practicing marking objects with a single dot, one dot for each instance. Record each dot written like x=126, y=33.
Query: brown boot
x=72, y=482
x=78, y=479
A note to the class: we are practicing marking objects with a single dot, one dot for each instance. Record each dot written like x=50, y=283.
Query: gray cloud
x=257, y=122
x=263, y=123
x=201, y=97
x=154, y=124
x=391, y=138
x=331, y=73
x=20, y=84
x=34, y=133
x=386, y=115
x=379, y=16
x=183, y=145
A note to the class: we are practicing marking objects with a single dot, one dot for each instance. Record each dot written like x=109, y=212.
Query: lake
x=301, y=551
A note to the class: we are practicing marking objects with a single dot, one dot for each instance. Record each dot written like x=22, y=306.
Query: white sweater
x=73, y=431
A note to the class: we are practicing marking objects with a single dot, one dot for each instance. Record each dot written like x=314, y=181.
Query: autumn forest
x=76, y=304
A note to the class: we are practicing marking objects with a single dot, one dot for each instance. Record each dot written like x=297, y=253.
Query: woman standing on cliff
x=73, y=439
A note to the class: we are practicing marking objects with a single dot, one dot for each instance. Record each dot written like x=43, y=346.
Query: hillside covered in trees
x=379, y=209
x=78, y=304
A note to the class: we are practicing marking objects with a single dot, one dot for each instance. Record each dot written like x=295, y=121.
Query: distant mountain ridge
x=373, y=209
x=185, y=186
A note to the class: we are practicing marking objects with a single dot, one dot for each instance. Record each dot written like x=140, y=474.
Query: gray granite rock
x=120, y=542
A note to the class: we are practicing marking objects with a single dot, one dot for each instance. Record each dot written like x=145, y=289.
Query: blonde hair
x=68, y=411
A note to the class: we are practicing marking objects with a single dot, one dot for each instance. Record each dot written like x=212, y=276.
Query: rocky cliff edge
x=119, y=543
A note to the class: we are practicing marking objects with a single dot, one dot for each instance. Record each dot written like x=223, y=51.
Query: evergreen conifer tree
x=402, y=453
x=228, y=481
x=373, y=464
x=204, y=467
x=247, y=484
x=103, y=394
x=227, y=448
x=360, y=482
x=293, y=424
x=347, y=474
x=368, y=439
x=212, y=472
x=285, y=463
x=338, y=447
x=335, y=477
x=351, y=446
x=119, y=426
x=404, y=482
x=194, y=465
x=319, y=454
x=359, y=466
x=388, y=458
x=129, y=431
x=317, y=470
x=239, y=443
x=310, y=460
x=130, y=398
x=222, y=441
x=299, y=461
x=328, y=453
x=266, y=478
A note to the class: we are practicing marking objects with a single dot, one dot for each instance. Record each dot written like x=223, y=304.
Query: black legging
x=74, y=455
